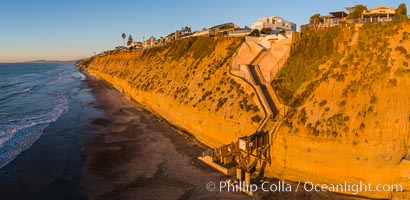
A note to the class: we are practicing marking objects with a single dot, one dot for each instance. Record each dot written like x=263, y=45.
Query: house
x=161, y=41
x=222, y=29
x=275, y=23
x=239, y=32
x=170, y=37
x=205, y=32
x=379, y=14
x=135, y=45
x=334, y=18
x=120, y=48
x=151, y=42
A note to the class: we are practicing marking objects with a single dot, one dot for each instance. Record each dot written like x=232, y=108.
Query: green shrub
x=362, y=125
x=373, y=99
x=405, y=35
x=302, y=116
x=221, y=102
x=255, y=108
x=401, y=49
x=399, y=72
x=256, y=118
x=393, y=82
x=322, y=103
x=370, y=109
x=342, y=103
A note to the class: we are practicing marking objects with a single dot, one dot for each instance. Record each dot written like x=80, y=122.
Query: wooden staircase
x=269, y=126
x=247, y=151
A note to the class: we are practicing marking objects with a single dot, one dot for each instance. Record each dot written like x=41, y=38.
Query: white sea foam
x=16, y=135
x=59, y=78
x=15, y=93
x=23, y=90
x=79, y=75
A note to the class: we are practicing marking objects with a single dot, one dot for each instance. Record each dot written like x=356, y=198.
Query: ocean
x=45, y=114
x=32, y=96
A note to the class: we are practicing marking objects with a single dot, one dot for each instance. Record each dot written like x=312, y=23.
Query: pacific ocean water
x=32, y=96
x=45, y=115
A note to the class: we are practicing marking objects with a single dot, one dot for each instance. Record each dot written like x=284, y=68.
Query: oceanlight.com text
x=281, y=186
x=352, y=188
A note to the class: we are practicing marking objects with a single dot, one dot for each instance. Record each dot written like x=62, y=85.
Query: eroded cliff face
x=351, y=100
x=347, y=87
x=188, y=83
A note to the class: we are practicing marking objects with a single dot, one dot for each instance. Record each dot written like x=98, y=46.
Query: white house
x=135, y=45
x=379, y=14
x=206, y=32
x=151, y=42
x=275, y=23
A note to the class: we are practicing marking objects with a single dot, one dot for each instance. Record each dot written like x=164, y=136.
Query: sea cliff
x=187, y=83
x=346, y=87
x=348, y=90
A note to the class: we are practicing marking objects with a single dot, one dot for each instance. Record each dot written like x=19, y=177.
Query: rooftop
x=339, y=14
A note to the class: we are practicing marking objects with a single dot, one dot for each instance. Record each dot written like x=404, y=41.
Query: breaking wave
x=18, y=134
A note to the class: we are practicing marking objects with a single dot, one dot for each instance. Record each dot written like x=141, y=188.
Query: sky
x=74, y=29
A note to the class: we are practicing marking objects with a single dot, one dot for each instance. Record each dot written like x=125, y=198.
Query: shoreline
x=52, y=167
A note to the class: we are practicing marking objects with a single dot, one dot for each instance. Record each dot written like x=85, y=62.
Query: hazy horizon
x=70, y=30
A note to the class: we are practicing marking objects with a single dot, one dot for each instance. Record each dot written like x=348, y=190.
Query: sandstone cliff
x=188, y=83
x=348, y=86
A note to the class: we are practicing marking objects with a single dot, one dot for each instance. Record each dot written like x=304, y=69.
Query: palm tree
x=183, y=30
x=186, y=29
x=123, y=37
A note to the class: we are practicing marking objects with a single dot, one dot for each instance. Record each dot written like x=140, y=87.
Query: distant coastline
x=42, y=61
x=50, y=61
